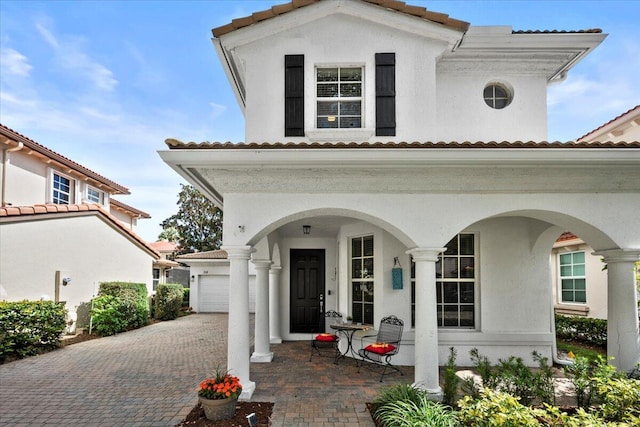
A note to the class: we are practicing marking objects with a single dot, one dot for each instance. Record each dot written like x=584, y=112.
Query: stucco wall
x=84, y=248
x=26, y=180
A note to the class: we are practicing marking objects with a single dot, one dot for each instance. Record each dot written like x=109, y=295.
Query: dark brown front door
x=307, y=290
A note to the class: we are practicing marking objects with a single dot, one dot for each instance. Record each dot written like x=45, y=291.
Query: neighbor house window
x=339, y=97
x=362, y=279
x=572, y=277
x=95, y=196
x=62, y=193
x=455, y=284
x=497, y=95
x=156, y=278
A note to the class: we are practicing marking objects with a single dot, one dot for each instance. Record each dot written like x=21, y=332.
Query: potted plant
x=219, y=394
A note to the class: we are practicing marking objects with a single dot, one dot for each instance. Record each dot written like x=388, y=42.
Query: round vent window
x=497, y=95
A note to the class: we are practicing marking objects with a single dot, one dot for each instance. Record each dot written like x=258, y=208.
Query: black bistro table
x=348, y=330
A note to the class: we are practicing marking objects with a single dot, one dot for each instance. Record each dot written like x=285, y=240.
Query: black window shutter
x=385, y=94
x=294, y=95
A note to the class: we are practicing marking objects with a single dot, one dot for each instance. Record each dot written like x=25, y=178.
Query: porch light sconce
x=306, y=229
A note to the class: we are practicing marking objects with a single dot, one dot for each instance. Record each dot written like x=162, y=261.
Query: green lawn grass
x=590, y=352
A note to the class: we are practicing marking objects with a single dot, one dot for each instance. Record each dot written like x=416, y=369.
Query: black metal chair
x=326, y=344
x=386, y=346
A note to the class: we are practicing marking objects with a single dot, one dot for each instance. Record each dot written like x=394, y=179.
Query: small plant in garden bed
x=221, y=385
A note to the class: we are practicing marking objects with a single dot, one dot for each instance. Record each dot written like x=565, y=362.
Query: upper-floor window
x=455, y=284
x=362, y=279
x=62, y=191
x=95, y=196
x=497, y=95
x=339, y=97
x=572, y=277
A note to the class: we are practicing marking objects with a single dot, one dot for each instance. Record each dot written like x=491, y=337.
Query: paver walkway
x=148, y=377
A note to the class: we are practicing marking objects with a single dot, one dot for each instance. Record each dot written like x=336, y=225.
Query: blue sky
x=104, y=83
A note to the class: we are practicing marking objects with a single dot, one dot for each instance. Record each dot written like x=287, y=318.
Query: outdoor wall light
x=66, y=281
x=306, y=229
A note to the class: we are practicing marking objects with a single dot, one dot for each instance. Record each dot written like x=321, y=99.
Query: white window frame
x=52, y=190
x=100, y=195
x=317, y=99
x=368, y=279
x=572, y=277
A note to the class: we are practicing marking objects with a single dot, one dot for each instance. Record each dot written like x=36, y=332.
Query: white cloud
x=13, y=62
x=217, y=109
x=47, y=36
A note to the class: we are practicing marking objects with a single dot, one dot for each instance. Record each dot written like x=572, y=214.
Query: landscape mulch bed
x=243, y=409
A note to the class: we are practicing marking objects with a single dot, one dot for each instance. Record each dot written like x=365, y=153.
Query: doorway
x=307, y=290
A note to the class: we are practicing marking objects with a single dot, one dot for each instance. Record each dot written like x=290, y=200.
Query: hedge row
x=584, y=329
x=168, y=301
x=119, y=307
x=30, y=327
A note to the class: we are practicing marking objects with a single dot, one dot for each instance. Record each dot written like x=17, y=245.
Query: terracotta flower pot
x=218, y=409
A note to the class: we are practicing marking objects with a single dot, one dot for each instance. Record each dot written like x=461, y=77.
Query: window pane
x=350, y=90
x=466, y=244
x=368, y=292
x=439, y=292
x=350, y=74
x=368, y=246
x=439, y=314
x=356, y=268
x=327, y=74
x=327, y=108
x=350, y=108
x=350, y=122
x=466, y=267
x=357, y=312
x=368, y=268
x=467, y=315
x=466, y=293
x=451, y=293
x=450, y=315
x=579, y=284
x=578, y=270
x=565, y=259
x=325, y=122
x=368, y=314
x=580, y=296
x=565, y=271
x=452, y=247
x=567, y=296
x=578, y=258
x=451, y=267
x=356, y=247
x=356, y=294
x=328, y=90
x=567, y=284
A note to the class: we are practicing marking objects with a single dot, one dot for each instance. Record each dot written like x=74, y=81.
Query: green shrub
x=119, y=307
x=411, y=414
x=585, y=374
x=451, y=380
x=185, y=297
x=30, y=327
x=168, y=301
x=584, y=329
x=495, y=409
x=399, y=393
x=620, y=399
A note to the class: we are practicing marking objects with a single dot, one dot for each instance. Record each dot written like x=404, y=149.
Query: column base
x=261, y=358
x=434, y=394
x=247, y=391
x=275, y=340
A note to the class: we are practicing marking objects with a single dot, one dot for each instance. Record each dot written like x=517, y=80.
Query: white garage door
x=213, y=293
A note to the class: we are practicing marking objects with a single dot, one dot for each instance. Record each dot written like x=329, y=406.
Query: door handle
x=321, y=303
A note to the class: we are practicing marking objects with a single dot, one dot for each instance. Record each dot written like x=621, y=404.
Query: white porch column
x=426, y=329
x=238, y=346
x=623, y=334
x=261, y=352
x=274, y=305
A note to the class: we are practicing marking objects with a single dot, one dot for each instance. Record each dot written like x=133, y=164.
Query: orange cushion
x=326, y=337
x=380, y=348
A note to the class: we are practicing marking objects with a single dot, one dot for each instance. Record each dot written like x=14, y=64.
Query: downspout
x=5, y=160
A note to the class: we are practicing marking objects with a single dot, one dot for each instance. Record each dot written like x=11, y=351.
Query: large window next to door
x=362, y=279
x=455, y=284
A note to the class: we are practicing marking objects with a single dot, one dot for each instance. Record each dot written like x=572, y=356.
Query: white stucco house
x=61, y=231
x=377, y=130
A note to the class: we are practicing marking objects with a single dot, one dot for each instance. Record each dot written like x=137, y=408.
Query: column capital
x=619, y=255
x=425, y=254
x=238, y=252
x=262, y=263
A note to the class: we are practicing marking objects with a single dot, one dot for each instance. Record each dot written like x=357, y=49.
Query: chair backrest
x=333, y=315
x=390, y=330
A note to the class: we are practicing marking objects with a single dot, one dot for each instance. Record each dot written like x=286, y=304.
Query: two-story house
x=376, y=131
x=61, y=230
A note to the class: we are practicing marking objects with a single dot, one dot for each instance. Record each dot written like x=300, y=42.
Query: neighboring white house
x=371, y=129
x=162, y=266
x=61, y=232
x=209, y=286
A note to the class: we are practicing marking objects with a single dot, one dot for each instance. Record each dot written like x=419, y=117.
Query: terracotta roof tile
x=567, y=235
x=164, y=246
x=217, y=254
x=50, y=208
x=15, y=136
x=175, y=144
x=130, y=209
x=609, y=122
x=395, y=5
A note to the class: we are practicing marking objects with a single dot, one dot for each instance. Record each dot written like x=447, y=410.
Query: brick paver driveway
x=145, y=377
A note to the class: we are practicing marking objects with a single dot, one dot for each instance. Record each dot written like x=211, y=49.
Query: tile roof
x=50, y=208
x=567, y=235
x=395, y=5
x=129, y=209
x=631, y=110
x=175, y=144
x=217, y=254
x=27, y=142
x=163, y=246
